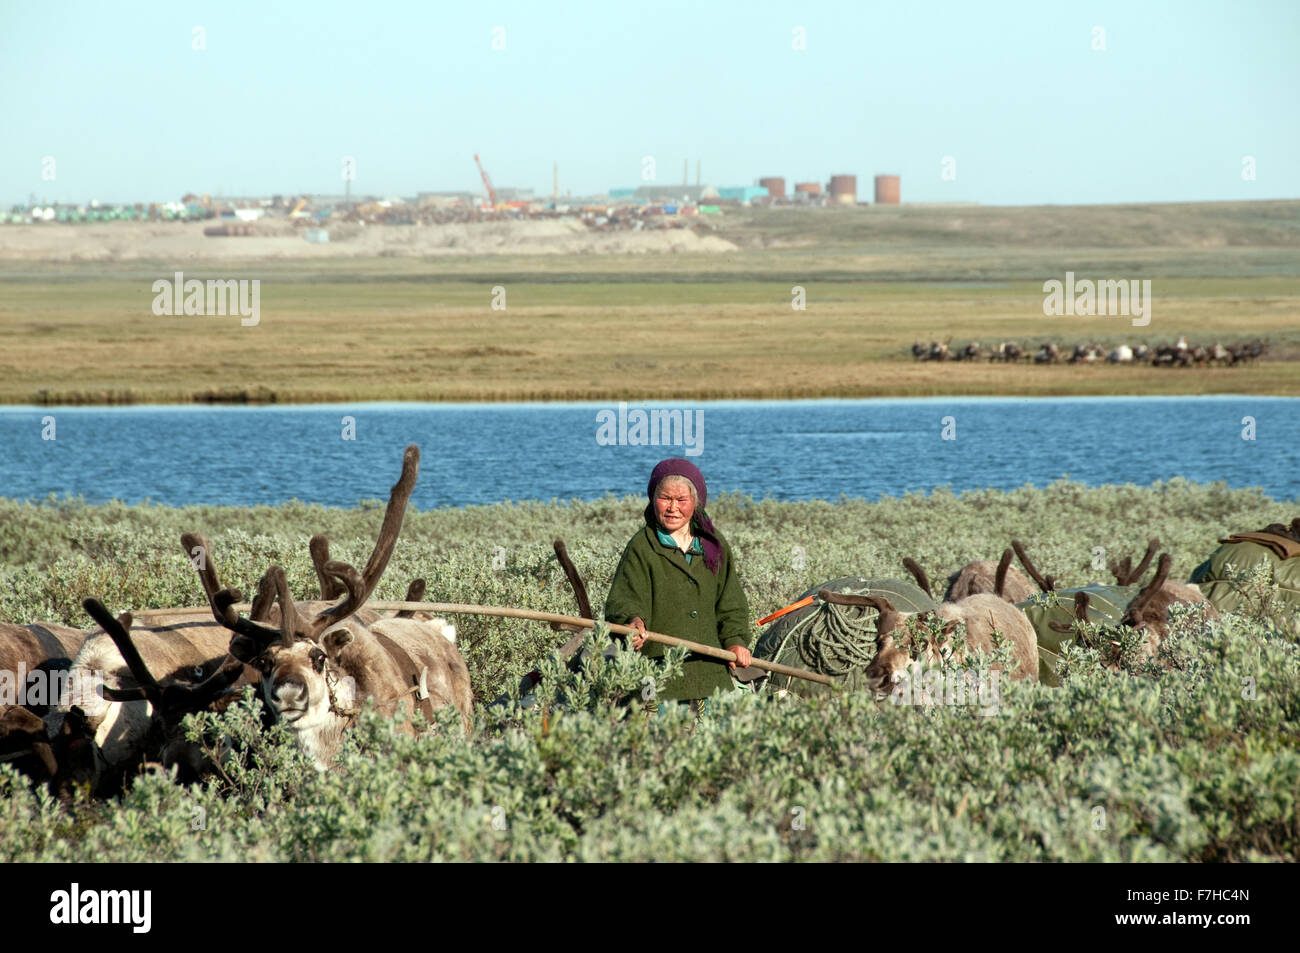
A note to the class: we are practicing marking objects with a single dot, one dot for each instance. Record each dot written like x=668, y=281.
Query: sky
x=1015, y=103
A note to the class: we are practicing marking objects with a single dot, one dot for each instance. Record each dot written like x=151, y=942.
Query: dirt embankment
x=177, y=241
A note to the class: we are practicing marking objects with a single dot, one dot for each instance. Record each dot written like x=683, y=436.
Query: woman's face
x=673, y=505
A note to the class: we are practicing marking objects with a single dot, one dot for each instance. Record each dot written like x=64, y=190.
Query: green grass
x=96, y=341
x=715, y=326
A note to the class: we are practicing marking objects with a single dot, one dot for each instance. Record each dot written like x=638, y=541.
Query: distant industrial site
x=650, y=205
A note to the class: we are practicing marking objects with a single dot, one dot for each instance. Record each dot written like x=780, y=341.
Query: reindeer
x=1085, y=354
x=318, y=668
x=1221, y=356
x=116, y=727
x=165, y=741
x=34, y=662
x=1049, y=353
x=1148, y=612
x=982, y=615
x=1000, y=578
x=35, y=670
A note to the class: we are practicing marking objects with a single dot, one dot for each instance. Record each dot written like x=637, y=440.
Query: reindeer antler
x=320, y=555
x=922, y=580
x=130, y=654
x=414, y=593
x=260, y=610
x=291, y=621
x=1081, y=603
x=1136, y=613
x=1000, y=578
x=889, y=616
x=1153, y=546
x=369, y=577
x=575, y=580
x=1045, y=584
x=173, y=702
x=221, y=600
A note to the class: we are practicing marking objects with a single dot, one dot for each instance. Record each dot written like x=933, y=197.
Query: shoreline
x=599, y=403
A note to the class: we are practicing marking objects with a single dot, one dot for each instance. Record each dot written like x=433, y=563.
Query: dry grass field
x=674, y=327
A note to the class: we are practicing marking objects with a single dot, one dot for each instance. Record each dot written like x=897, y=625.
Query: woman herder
x=678, y=576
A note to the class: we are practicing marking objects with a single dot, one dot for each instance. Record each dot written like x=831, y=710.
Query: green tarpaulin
x=1212, y=575
x=1106, y=605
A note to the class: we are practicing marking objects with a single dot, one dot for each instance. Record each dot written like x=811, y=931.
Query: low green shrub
x=1190, y=757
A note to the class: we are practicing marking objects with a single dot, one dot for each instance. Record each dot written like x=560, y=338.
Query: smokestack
x=686, y=164
x=697, y=173
x=555, y=182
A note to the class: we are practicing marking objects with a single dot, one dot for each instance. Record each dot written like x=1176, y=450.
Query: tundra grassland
x=1196, y=760
x=679, y=327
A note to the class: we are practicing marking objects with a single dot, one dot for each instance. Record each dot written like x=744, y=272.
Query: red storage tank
x=888, y=190
x=844, y=189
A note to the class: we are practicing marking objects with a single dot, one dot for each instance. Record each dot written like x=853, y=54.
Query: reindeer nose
x=290, y=690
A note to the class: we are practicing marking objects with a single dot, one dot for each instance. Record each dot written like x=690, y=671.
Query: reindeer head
x=1146, y=612
x=887, y=668
x=892, y=660
x=301, y=677
x=303, y=680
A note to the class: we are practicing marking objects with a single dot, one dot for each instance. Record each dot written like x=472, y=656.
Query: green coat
x=653, y=581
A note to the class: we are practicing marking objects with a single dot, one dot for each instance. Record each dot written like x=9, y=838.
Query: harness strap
x=419, y=681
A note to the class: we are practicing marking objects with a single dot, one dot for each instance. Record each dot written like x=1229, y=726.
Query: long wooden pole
x=510, y=612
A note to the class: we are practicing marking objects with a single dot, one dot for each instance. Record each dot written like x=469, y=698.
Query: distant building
x=744, y=194
x=676, y=193
x=445, y=198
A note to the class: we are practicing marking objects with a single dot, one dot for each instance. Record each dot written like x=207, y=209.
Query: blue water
x=484, y=453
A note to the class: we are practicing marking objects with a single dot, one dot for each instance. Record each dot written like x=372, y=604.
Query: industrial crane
x=487, y=183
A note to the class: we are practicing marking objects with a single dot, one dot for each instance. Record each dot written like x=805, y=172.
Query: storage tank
x=888, y=190
x=775, y=187
x=844, y=189
x=808, y=188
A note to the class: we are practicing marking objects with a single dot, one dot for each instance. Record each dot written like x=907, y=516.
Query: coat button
x=694, y=613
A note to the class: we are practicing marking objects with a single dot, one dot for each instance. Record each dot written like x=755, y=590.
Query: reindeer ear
x=335, y=641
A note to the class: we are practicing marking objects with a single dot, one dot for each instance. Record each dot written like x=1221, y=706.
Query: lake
x=789, y=450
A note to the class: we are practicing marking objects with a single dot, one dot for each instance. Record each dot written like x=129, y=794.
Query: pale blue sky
x=1012, y=91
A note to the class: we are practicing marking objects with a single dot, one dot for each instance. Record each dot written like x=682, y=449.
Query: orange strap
x=786, y=611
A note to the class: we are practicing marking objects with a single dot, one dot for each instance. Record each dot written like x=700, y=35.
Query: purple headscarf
x=700, y=522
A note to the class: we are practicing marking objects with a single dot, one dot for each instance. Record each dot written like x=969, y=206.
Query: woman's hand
x=743, y=657
x=638, y=640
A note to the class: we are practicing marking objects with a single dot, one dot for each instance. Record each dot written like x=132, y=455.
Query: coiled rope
x=831, y=641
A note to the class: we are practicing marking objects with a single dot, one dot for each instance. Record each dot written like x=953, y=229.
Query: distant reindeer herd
x=1179, y=354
